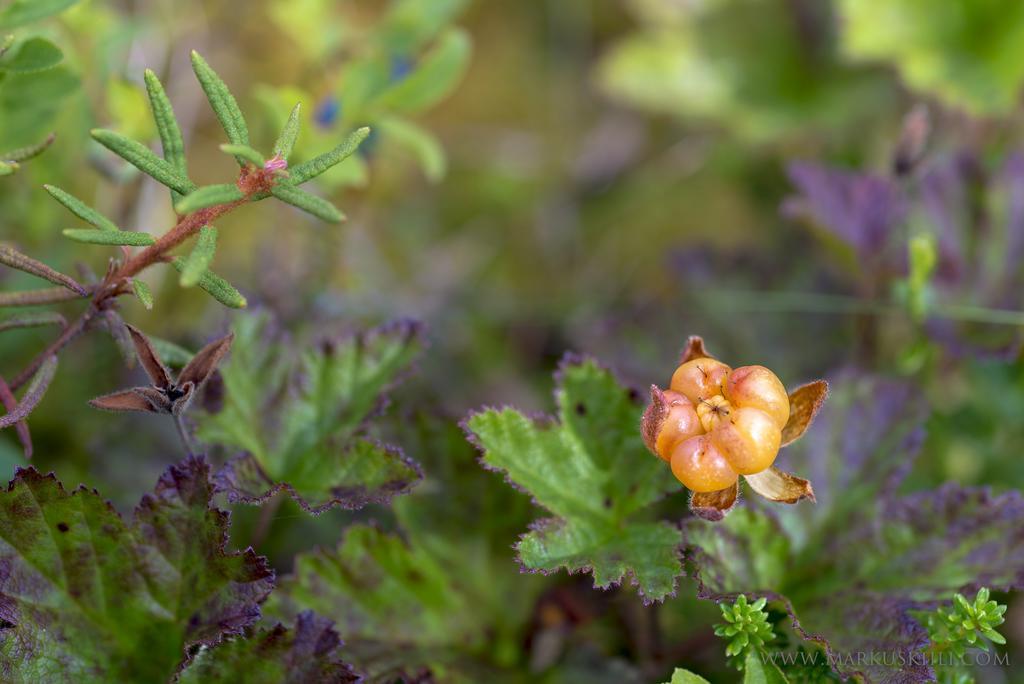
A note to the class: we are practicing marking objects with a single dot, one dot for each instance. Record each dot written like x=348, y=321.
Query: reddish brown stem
x=10, y=402
x=186, y=227
x=252, y=182
x=70, y=333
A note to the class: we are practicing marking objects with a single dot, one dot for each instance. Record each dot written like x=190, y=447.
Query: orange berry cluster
x=715, y=423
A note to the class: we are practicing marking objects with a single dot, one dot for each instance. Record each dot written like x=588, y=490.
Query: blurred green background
x=551, y=176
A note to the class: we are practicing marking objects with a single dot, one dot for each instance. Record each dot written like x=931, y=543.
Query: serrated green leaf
x=312, y=204
x=141, y=157
x=142, y=291
x=244, y=152
x=311, y=447
x=200, y=258
x=209, y=196
x=222, y=101
x=314, y=167
x=167, y=127
x=127, y=238
x=34, y=54
x=466, y=612
x=681, y=676
x=21, y=12
x=438, y=73
x=81, y=209
x=306, y=653
x=421, y=142
x=137, y=595
x=591, y=470
x=218, y=288
x=373, y=574
x=286, y=142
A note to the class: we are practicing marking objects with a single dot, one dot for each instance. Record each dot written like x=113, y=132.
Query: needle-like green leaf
x=81, y=209
x=15, y=259
x=284, y=145
x=244, y=152
x=216, y=287
x=125, y=238
x=142, y=157
x=32, y=320
x=314, y=167
x=143, y=292
x=209, y=196
x=25, y=153
x=200, y=258
x=316, y=206
x=167, y=126
x=222, y=101
x=50, y=295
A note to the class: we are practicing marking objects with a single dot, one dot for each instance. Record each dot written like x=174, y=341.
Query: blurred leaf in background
x=966, y=52
x=404, y=65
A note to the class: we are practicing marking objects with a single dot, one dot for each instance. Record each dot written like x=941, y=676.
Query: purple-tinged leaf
x=33, y=394
x=850, y=569
x=10, y=403
x=89, y=597
x=364, y=583
x=301, y=419
x=863, y=211
x=15, y=259
x=305, y=653
x=363, y=473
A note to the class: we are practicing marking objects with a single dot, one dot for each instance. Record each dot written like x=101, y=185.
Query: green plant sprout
x=958, y=628
x=746, y=625
x=196, y=209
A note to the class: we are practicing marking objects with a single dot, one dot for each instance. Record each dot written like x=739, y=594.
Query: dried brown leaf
x=205, y=361
x=151, y=362
x=804, y=404
x=125, y=400
x=713, y=506
x=654, y=417
x=775, y=485
x=694, y=349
